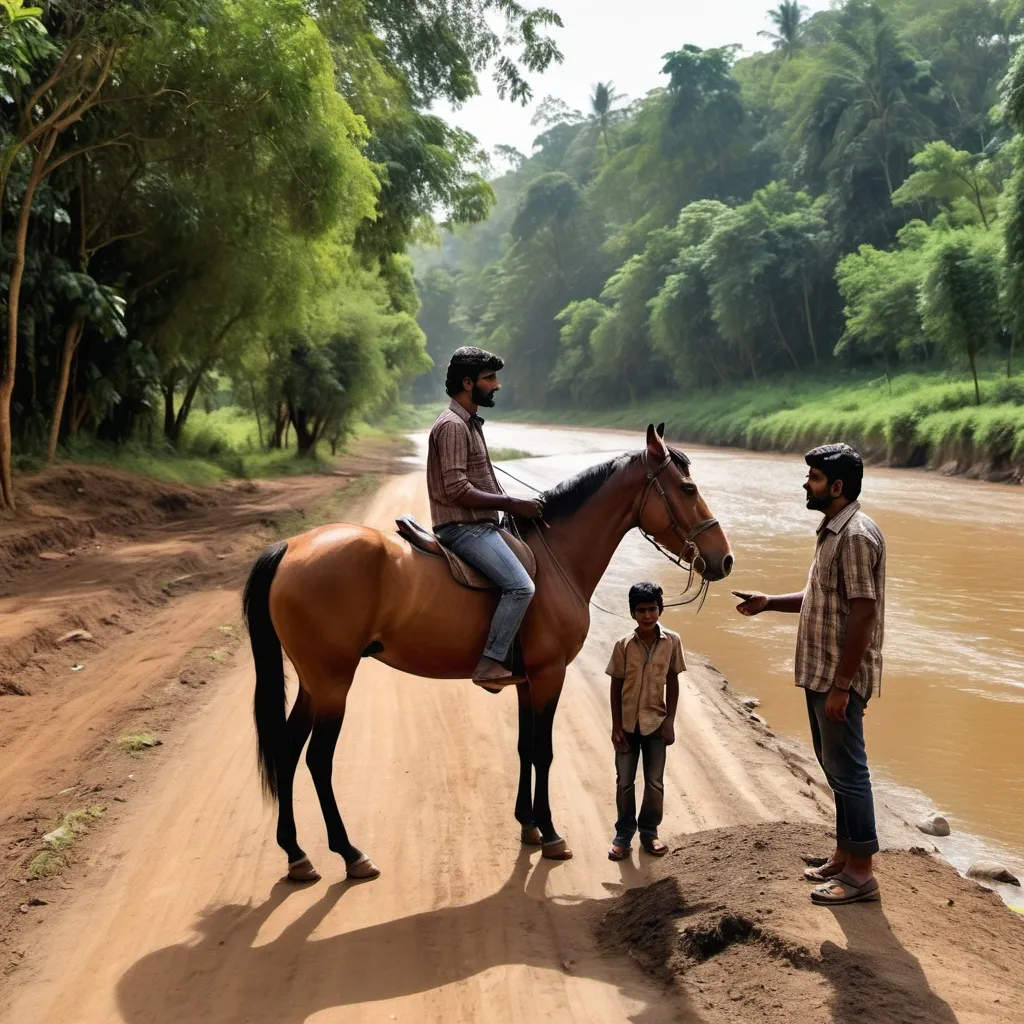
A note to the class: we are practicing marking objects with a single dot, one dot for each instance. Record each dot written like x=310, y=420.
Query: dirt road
x=179, y=914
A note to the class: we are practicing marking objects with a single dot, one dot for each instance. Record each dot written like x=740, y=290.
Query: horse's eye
x=690, y=490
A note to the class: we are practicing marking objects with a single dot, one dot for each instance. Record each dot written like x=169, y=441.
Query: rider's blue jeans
x=482, y=546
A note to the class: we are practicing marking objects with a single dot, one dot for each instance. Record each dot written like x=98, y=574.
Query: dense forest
x=199, y=192
x=851, y=197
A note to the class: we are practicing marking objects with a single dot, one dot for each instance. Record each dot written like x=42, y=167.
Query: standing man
x=465, y=500
x=839, y=660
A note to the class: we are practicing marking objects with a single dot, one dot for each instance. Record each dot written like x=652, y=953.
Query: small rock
x=750, y=703
x=37, y=902
x=991, y=871
x=77, y=668
x=814, y=862
x=77, y=636
x=735, y=996
x=936, y=825
x=23, y=909
x=949, y=902
x=120, y=800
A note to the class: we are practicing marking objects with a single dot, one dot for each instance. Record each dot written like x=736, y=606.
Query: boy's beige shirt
x=645, y=675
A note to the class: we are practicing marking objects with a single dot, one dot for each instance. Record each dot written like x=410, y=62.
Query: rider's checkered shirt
x=849, y=562
x=457, y=459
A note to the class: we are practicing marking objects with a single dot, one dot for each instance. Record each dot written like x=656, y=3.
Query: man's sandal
x=843, y=889
x=655, y=847
x=619, y=852
x=823, y=873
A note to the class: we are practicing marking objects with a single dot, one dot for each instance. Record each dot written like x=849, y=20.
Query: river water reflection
x=951, y=716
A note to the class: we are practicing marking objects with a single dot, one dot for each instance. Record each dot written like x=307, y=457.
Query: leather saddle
x=463, y=573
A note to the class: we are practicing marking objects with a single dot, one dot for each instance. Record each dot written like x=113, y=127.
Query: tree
x=788, y=20
x=944, y=175
x=603, y=111
x=960, y=300
x=869, y=106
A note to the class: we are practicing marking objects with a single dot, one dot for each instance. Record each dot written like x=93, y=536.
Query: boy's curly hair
x=646, y=593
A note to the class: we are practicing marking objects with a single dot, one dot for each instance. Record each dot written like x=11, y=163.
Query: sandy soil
x=172, y=909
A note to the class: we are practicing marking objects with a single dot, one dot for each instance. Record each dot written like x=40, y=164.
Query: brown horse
x=339, y=593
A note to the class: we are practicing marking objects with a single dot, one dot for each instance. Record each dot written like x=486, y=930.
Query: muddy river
x=946, y=735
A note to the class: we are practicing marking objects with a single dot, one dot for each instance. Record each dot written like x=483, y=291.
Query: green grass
x=510, y=454
x=225, y=444
x=910, y=419
x=58, y=842
x=136, y=742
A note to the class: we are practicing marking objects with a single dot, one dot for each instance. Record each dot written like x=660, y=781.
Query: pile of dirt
x=66, y=506
x=729, y=923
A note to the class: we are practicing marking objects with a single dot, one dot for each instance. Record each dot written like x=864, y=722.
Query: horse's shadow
x=295, y=975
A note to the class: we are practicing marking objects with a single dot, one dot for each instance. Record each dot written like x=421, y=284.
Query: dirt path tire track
x=180, y=915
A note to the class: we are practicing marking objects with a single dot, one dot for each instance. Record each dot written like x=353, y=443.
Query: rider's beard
x=481, y=397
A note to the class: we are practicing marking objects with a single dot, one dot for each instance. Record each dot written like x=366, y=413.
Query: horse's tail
x=269, y=700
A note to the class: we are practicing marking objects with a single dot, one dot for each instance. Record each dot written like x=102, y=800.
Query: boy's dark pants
x=652, y=748
x=839, y=747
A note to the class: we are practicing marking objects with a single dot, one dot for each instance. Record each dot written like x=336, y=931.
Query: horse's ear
x=661, y=430
x=654, y=441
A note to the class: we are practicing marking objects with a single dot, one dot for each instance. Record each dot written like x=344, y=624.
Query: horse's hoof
x=363, y=870
x=531, y=836
x=302, y=871
x=558, y=850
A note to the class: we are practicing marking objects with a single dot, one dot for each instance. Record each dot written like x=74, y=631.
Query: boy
x=644, y=667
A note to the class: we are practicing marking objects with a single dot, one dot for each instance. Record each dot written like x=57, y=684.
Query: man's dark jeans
x=652, y=748
x=839, y=747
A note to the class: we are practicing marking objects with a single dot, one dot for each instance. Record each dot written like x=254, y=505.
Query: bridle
x=688, y=539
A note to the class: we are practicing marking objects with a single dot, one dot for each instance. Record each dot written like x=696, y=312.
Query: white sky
x=620, y=40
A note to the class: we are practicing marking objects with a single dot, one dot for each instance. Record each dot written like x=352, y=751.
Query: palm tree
x=603, y=110
x=788, y=19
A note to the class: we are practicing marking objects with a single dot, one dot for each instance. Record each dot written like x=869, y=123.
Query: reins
x=688, y=539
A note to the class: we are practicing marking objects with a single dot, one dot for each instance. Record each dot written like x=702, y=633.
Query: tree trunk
x=974, y=372
x=186, y=403
x=13, y=309
x=71, y=338
x=810, y=326
x=782, y=337
x=256, y=412
x=167, y=387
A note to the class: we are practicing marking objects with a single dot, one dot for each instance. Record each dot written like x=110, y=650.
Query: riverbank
x=912, y=420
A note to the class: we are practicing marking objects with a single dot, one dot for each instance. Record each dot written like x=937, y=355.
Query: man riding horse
x=465, y=499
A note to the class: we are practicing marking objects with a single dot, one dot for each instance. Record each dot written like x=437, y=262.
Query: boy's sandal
x=822, y=873
x=655, y=847
x=619, y=852
x=843, y=889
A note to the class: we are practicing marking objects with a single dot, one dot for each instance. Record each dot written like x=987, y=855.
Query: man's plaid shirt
x=849, y=562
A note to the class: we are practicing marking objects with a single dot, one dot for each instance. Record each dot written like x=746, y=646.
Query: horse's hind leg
x=320, y=761
x=297, y=730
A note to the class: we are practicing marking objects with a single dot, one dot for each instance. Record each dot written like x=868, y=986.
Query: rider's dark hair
x=839, y=462
x=470, y=362
x=646, y=593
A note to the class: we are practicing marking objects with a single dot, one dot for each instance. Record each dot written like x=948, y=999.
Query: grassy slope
x=225, y=443
x=914, y=419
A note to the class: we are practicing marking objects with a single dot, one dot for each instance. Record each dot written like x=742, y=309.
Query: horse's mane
x=571, y=495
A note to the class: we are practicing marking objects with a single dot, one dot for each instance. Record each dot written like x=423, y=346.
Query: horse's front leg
x=545, y=687
x=529, y=833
